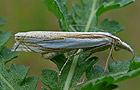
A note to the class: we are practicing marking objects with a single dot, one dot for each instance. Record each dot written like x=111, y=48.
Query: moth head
x=122, y=45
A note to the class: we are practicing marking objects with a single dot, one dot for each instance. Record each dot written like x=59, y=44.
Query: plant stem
x=71, y=72
x=75, y=60
x=92, y=15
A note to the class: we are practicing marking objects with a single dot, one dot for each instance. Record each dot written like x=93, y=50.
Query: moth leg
x=68, y=58
x=113, y=58
x=64, y=66
x=110, y=53
x=74, y=54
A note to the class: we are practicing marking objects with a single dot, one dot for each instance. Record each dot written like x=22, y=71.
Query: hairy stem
x=92, y=15
x=71, y=72
x=75, y=60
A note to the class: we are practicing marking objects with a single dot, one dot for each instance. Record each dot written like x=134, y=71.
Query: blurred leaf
x=110, y=26
x=113, y=4
x=4, y=37
x=43, y=88
x=2, y=21
x=7, y=54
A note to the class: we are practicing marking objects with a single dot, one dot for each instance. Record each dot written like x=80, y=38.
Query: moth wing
x=26, y=48
x=73, y=43
x=43, y=46
x=19, y=47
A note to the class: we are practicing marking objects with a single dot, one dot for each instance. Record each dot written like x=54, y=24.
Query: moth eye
x=118, y=43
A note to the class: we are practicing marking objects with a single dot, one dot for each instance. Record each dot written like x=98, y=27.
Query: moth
x=50, y=43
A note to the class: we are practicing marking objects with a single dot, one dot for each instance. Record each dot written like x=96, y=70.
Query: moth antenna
x=106, y=65
x=89, y=26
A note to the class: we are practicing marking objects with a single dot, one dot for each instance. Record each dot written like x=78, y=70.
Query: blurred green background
x=25, y=15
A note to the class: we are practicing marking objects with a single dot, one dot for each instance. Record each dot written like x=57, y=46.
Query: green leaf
x=58, y=8
x=99, y=86
x=50, y=77
x=87, y=13
x=2, y=21
x=14, y=78
x=91, y=9
x=4, y=38
x=118, y=71
x=97, y=71
x=135, y=64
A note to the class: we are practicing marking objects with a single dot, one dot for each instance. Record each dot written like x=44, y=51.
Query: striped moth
x=50, y=44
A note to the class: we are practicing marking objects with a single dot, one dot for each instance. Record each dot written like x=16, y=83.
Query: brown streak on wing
x=24, y=47
x=61, y=37
x=29, y=48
